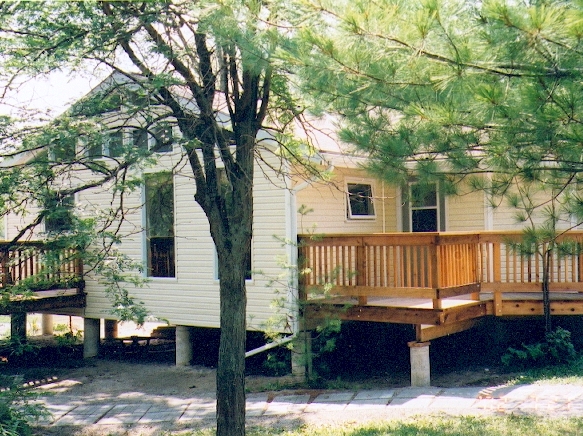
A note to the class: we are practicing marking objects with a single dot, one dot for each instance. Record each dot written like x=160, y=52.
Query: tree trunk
x=231, y=365
x=546, y=290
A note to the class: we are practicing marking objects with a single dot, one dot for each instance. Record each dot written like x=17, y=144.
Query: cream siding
x=465, y=212
x=192, y=298
x=505, y=217
x=328, y=206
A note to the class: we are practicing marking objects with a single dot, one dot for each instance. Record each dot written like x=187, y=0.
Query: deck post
x=420, y=365
x=301, y=361
x=18, y=326
x=110, y=328
x=47, y=324
x=184, y=349
x=91, y=336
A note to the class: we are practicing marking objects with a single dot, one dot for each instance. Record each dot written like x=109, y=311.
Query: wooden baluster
x=361, y=276
x=436, y=274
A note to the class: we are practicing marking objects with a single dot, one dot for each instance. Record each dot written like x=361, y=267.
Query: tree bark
x=231, y=365
x=546, y=290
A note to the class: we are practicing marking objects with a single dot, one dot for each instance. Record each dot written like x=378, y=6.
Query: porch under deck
x=442, y=283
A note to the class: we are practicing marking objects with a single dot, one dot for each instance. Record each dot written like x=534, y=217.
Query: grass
x=560, y=374
x=431, y=426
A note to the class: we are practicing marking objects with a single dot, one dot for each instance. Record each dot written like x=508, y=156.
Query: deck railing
x=40, y=265
x=503, y=269
x=429, y=265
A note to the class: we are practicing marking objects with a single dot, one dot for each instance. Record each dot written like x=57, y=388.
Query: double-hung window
x=424, y=208
x=159, y=213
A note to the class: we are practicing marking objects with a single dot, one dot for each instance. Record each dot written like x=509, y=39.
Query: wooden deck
x=35, y=277
x=440, y=282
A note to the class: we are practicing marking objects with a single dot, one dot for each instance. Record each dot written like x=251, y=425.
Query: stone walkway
x=544, y=400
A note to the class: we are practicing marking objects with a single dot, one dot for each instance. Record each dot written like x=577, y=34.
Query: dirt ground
x=153, y=372
x=115, y=377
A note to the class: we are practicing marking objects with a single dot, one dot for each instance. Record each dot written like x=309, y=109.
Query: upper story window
x=359, y=204
x=160, y=141
x=140, y=139
x=159, y=196
x=163, y=139
x=62, y=151
x=60, y=215
x=112, y=146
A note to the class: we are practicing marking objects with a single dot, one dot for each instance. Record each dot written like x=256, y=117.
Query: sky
x=50, y=95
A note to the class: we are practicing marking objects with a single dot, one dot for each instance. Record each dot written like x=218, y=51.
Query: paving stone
x=56, y=412
x=367, y=403
x=256, y=404
x=472, y=392
x=261, y=397
x=538, y=400
x=418, y=402
x=159, y=413
x=416, y=392
x=84, y=415
x=334, y=397
x=516, y=392
x=125, y=414
x=377, y=394
x=283, y=404
x=199, y=411
x=326, y=407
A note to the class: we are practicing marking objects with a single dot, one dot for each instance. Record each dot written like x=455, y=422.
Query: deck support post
x=301, y=360
x=110, y=328
x=184, y=349
x=420, y=365
x=18, y=326
x=47, y=324
x=91, y=337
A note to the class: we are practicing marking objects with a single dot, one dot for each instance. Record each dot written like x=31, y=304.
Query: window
x=59, y=218
x=159, y=196
x=95, y=151
x=424, y=209
x=162, y=139
x=113, y=146
x=140, y=139
x=360, y=201
x=62, y=151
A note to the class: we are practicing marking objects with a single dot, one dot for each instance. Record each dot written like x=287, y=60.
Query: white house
x=166, y=231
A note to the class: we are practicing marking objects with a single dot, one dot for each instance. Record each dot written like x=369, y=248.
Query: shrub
x=556, y=349
x=17, y=408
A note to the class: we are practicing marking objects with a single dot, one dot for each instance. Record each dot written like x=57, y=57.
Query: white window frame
x=145, y=260
x=349, y=215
